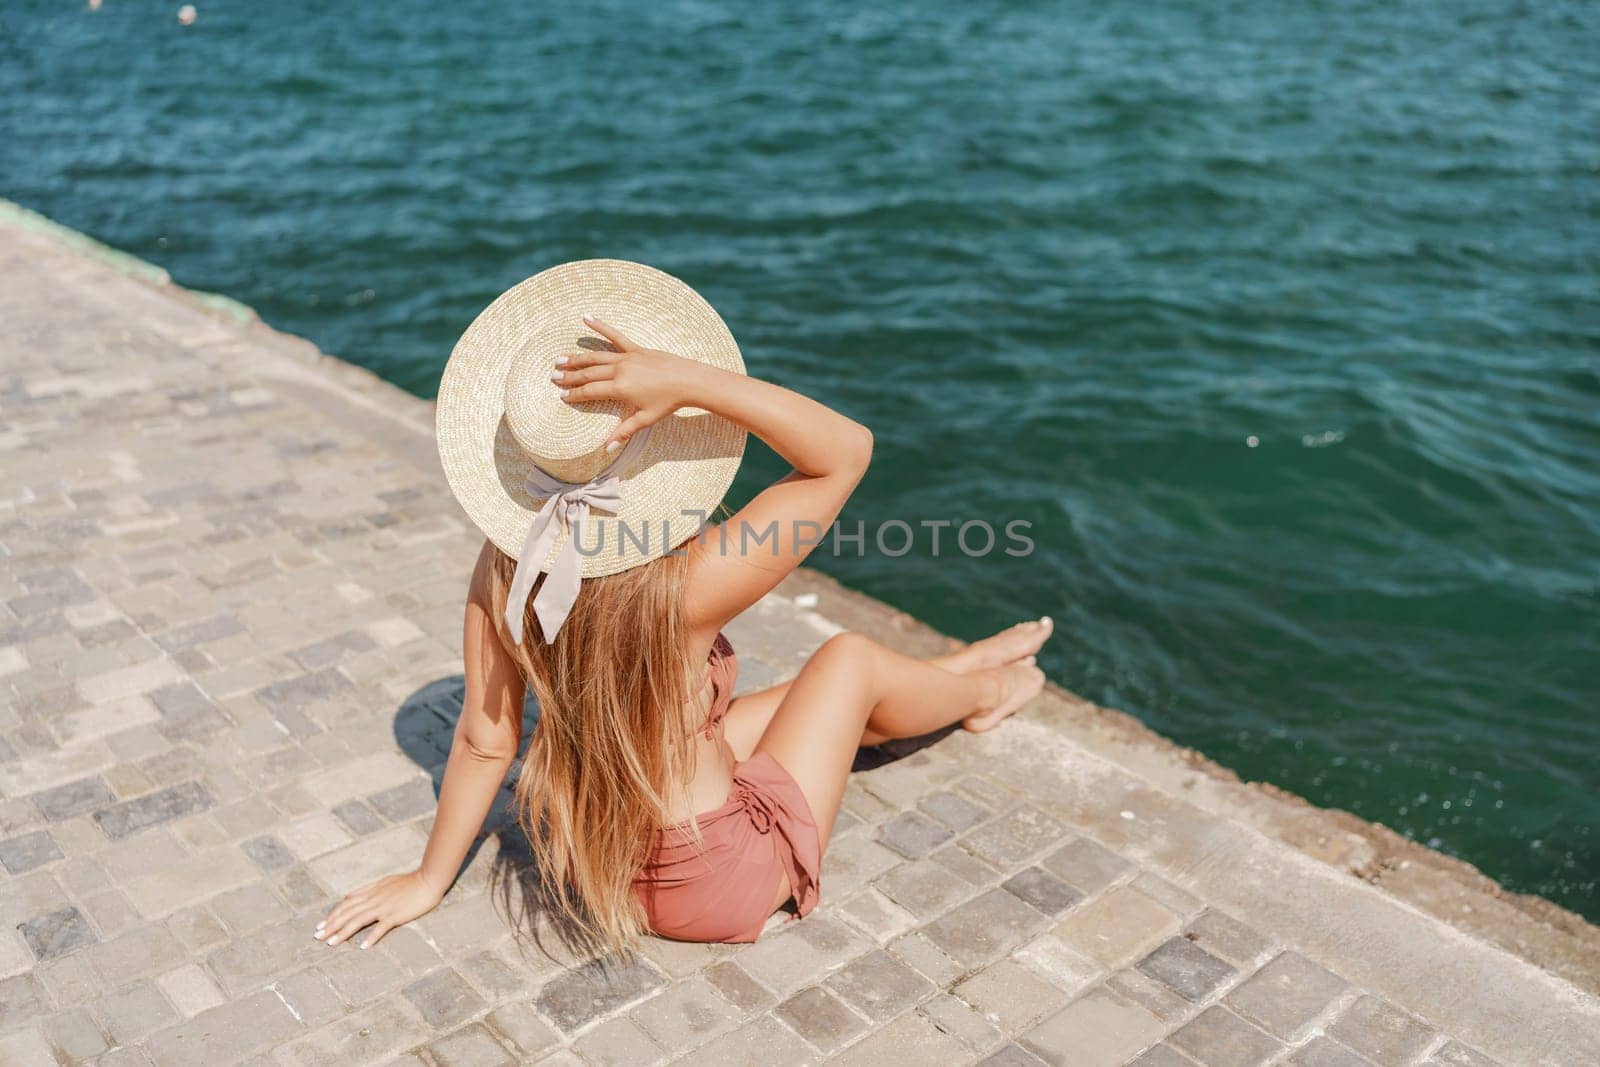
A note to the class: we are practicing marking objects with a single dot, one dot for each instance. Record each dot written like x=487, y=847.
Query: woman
x=653, y=799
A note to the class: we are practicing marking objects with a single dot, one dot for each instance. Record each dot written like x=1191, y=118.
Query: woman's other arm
x=487, y=737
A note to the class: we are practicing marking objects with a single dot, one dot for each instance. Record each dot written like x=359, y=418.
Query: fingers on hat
x=610, y=333
x=587, y=393
x=590, y=357
x=584, y=375
x=630, y=426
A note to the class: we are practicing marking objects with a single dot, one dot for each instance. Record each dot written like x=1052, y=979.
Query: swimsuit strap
x=723, y=665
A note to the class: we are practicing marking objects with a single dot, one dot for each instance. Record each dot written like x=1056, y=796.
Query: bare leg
x=749, y=715
x=853, y=685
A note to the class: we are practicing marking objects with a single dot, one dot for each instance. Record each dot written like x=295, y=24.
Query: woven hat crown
x=567, y=441
x=500, y=419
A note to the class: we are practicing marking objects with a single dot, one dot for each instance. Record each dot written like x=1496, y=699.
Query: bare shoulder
x=479, y=586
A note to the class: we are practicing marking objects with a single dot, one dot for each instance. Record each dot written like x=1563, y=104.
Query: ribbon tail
x=534, y=548
x=560, y=589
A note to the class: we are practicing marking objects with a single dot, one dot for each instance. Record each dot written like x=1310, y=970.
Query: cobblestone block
x=152, y=809
x=926, y=959
x=1455, y=1054
x=1186, y=968
x=26, y=1047
x=464, y=924
x=471, y=1046
x=1222, y=935
x=310, y=998
x=913, y=835
x=57, y=932
x=362, y=977
x=24, y=852
x=366, y=1036
x=197, y=928
x=129, y=681
x=1013, y=839
x=965, y=866
x=406, y=801
x=1118, y=926
x=358, y=818
x=1325, y=1052
x=1155, y=997
x=444, y=999
x=954, y=810
x=852, y=862
x=925, y=888
x=268, y=853
x=1162, y=1056
x=957, y=1018
x=799, y=954
x=1087, y=865
x=686, y=1015
x=1381, y=1032
x=21, y=998
x=131, y=1012
x=136, y=954
x=367, y=859
x=912, y=1038
x=1045, y=892
x=1011, y=996
x=255, y=960
x=762, y=1042
x=1099, y=1027
x=523, y=1029
x=821, y=1018
x=75, y=1035
x=189, y=880
x=190, y=990
x=249, y=908
x=1159, y=889
x=983, y=928
x=1058, y=963
x=876, y=915
x=574, y=999
x=74, y=798
x=737, y=987
x=491, y=975
x=407, y=948
x=879, y=986
x=1219, y=1038
x=619, y=1043
x=1286, y=995
x=305, y=691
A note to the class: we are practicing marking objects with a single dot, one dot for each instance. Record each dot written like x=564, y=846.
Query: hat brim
x=682, y=471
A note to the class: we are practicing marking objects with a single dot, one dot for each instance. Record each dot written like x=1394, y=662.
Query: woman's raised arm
x=737, y=562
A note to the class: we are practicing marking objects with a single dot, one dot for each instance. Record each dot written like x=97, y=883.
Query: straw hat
x=501, y=419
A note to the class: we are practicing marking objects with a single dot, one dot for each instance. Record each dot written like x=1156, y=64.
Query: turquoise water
x=1066, y=260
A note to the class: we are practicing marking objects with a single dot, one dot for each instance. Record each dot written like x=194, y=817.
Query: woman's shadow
x=425, y=724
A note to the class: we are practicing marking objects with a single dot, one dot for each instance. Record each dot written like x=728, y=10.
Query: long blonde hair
x=612, y=742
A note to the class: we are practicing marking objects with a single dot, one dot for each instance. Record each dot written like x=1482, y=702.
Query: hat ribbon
x=566, y=505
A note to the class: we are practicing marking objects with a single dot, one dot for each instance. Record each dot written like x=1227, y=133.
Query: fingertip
x=612, y=446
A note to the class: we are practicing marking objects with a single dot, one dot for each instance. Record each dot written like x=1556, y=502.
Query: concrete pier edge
x=1067, y=744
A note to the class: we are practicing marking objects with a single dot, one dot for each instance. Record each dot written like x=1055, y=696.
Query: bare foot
x=1007, y=646
x=1015, y=685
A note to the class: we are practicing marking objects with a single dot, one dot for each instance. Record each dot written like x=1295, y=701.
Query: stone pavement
x=230, y=595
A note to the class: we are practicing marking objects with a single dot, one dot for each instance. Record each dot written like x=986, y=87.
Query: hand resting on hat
x=651, y=382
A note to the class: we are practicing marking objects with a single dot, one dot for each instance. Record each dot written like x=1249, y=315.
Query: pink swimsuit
x=724, y=893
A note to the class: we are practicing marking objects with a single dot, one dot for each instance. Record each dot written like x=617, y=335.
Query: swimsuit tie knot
x=758, y=806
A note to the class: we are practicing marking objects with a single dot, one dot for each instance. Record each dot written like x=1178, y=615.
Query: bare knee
x=848, y=652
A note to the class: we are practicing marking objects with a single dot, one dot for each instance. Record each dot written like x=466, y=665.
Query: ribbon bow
x=566, y=505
